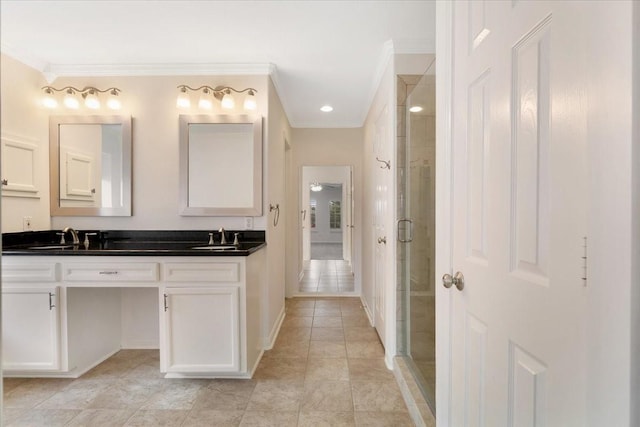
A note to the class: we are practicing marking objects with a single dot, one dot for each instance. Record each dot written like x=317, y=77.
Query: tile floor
x=325, y=250
x=326, y=369
x=327, y=277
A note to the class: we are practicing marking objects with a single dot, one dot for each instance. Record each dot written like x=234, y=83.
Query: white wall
x=21, y=116
x=322, y=147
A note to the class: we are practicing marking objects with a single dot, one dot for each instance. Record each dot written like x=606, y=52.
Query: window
x=312, y=217
x=334, y=215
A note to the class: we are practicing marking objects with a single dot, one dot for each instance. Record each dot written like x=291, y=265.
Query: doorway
x=326, y=225
x=416, y=230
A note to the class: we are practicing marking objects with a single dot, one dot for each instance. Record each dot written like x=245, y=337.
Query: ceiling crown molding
x=53, y=71
x=167, y=69
x=24, y=57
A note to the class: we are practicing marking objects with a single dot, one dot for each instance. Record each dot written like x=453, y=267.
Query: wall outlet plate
x=248, y=223
x=27, y=224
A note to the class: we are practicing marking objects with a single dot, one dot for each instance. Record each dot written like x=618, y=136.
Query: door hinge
x=584, y=261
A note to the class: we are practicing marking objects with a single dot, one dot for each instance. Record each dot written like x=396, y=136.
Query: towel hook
x=276, y=208
x=387, y=163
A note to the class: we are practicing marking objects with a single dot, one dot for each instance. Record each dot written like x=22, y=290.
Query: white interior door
x=381, y=194
x=518, y=212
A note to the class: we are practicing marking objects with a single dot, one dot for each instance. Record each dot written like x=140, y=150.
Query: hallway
x=327, y=277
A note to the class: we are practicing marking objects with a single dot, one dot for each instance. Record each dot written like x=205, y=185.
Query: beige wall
x=150, y=100
x=322, y=147
x=21, y=116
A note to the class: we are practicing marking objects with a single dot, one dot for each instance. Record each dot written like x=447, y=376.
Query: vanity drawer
x=35, y=272
x=110, y=272
x=202, y=272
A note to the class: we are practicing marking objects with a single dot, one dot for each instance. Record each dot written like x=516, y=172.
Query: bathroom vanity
x=66, y=309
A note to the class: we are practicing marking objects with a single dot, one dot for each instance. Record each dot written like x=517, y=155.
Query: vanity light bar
x=72, y=96
x=221, y=93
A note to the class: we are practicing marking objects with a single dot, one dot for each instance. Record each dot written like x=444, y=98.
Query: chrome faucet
x=74, y=235
x=223, y=237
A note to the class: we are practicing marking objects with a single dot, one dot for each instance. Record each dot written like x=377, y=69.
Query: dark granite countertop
x=133, y=243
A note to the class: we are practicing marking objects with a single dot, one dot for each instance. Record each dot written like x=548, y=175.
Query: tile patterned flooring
x=327, y=277
x=326, y=369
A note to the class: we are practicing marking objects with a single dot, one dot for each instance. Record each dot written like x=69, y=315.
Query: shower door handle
x=457, y=280
x=408, y=239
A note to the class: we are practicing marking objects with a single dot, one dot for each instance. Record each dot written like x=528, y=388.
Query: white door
x=381, y=194
x=518, y=212
x=30, y=329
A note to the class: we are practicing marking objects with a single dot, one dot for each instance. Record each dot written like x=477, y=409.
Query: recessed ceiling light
x=326, y=108
x=415, y=109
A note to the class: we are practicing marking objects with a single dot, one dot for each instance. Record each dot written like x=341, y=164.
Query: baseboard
x=270, y=341
x=255, y=365
x=72, y=373
x=367, y=311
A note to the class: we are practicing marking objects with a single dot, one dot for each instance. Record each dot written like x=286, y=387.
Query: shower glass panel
x=416, y=228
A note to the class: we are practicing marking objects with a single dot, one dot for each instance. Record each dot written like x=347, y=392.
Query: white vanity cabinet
x=62, y=315
x=210, y=317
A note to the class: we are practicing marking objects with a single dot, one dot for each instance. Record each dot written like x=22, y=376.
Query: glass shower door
x=416, y=230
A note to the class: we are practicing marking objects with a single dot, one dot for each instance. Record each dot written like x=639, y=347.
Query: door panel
x=518, y=222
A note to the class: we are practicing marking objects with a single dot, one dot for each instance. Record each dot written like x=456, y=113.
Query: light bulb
x=183, y=99
x=92, y=101
x=71, y=101
x=326, y=108
x=114, y=102
x=49, y=101
x=250, y=101
x=227, y=101
x=205, y=101
x=415, y=109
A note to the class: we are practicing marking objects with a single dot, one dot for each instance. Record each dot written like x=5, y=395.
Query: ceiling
x=318, y=52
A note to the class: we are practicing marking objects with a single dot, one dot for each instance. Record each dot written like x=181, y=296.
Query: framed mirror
x=220, y=165
x=90, y=165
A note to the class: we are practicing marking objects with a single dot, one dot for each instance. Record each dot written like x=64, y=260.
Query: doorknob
x=457, y=280
x=382, y=240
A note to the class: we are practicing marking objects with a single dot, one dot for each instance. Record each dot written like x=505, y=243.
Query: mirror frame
x=185, y=209
x=54, y=165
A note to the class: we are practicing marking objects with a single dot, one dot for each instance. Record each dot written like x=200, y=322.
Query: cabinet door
x=202, y=332
x=30, y=329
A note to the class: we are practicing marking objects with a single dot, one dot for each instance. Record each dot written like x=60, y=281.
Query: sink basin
x=52, y=247
x=215, y=248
